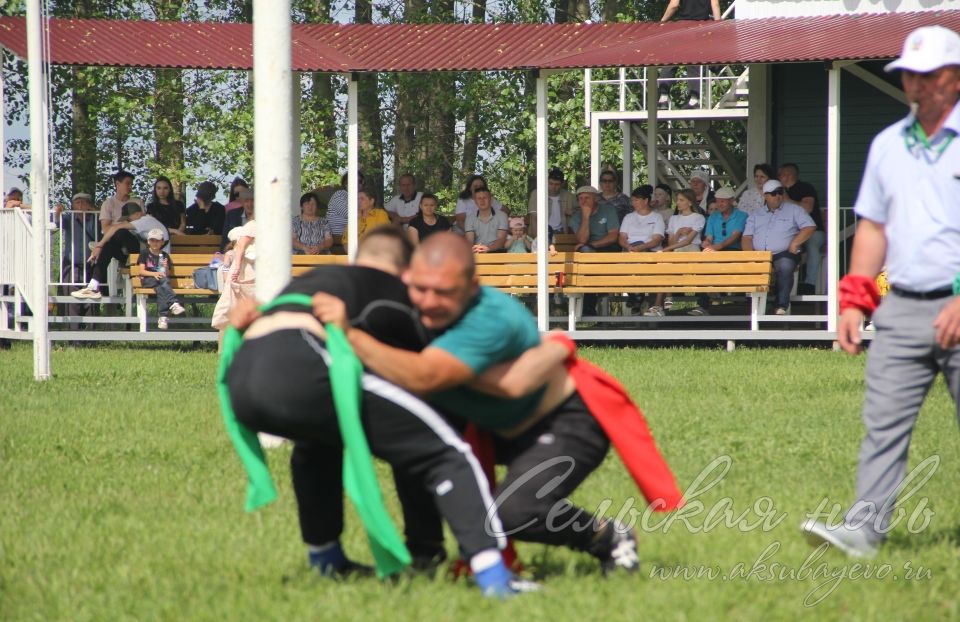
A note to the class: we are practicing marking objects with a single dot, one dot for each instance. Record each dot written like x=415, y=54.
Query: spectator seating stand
x=184, y=265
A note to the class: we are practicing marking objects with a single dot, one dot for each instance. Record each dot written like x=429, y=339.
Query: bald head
x=442, y=279
x=444, y=249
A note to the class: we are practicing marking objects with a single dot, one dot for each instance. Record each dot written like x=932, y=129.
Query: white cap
x=770, y=185
x=587, y=190
x=701, y=175
x=155, y=234
x=726, y=193
x=928, y=49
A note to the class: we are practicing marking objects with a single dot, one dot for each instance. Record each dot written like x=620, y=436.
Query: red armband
x=567, y=341
x=859, y=292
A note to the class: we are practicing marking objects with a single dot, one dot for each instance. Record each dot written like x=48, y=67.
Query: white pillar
x=353, y=164
x=272, y=166
x=3, y=124
x=296, y=184
x=758, y=122
x=39, y=168
x=627, y=180
x=594, y=152
x=653, y=74
x=543, y=208
x=833, y=195
x=587, y=95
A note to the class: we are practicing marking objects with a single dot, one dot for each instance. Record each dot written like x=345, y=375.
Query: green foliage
x=122, y=500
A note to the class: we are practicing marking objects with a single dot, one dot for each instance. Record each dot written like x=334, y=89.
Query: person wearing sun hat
x=916, y=235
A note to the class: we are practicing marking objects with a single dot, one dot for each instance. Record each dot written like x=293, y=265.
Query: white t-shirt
x=404, y=209
x=640, y=228
x=694, y=221
x=146, y=223
x=467, y=206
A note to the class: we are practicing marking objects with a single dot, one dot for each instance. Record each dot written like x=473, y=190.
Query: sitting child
x=155, y=273
x=518, y=241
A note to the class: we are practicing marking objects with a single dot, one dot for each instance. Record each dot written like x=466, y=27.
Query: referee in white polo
x=909, y=211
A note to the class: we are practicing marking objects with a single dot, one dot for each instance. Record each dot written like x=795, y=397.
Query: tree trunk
x=611, y=8
x=471, y=118
x=322, y=92
x=168, y=109
x=83, y=131
x=368, y=109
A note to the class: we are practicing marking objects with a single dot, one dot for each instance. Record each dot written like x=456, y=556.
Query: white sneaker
x=162, y=323
x=663, y=101
x=654, y=311
x=780, y=311
x=853, y=542
x=668, y=303
x=698, y=310
x=86, y=293
x=177, y=309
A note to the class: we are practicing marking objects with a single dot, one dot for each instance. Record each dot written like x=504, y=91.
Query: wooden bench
x=182, y=278
x=516, y=273
x=748, y=272
x=195, y=244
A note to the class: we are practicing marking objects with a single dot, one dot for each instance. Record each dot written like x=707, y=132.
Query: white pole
x=272, y=166
x=594, y=152
x=653, y=74
x=296, y=184
x=587, y=95
x=833, y=195
x=39, y=166
x=3, y=124
x=353, y=165
x=543, y=208
x=627, y=180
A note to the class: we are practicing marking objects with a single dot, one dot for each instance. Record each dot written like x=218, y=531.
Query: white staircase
x=710, y=137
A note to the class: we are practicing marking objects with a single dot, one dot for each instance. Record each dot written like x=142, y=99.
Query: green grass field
x=121, y=499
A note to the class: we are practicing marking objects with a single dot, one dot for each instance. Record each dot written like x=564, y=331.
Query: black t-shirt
x=425, y=230
x=801, y=190
x=201, y=222
x=376, y=302
x=152, y=262
x=694, y=9
x=169, y=214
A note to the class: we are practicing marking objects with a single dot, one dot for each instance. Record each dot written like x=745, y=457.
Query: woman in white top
x=642, y=229
x=238, y=282
x=752, y=198
x=685, y=226
x=466, y=205
x=683, y=236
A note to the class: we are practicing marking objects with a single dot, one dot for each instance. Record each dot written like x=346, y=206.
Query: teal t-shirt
x=496, y=328
x=602, y=221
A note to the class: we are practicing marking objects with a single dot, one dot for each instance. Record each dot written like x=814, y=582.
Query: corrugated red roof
x=161, y=44
x=770, y=40
x=478, y=47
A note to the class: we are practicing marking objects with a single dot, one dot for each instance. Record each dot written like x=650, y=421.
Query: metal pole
x=833, y=195
x=3, y=124
x=594, y=152
x=543, y=208
x=653, y=74
x=296, y=184
x=627, y=180
x=39, y=168
x=272, y=166
x=353, y=165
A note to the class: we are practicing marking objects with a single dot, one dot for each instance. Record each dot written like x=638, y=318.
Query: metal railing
x=719, y=87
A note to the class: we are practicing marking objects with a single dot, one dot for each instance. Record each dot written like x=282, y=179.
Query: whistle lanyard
x=918, y=144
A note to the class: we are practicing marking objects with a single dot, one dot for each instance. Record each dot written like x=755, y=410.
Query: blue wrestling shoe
x=498, y=582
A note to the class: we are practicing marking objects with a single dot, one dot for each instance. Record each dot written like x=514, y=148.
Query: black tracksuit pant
x=545, y=464
x=280, y=384
x=120, y=246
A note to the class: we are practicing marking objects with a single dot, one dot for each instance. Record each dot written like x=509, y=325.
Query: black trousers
x=545, y=465
x=121, y=245
x=280, y=384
